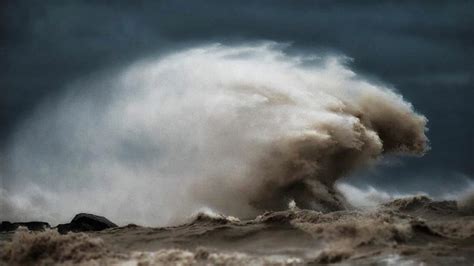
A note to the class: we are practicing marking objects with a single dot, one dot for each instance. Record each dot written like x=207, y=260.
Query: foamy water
x=407, y=231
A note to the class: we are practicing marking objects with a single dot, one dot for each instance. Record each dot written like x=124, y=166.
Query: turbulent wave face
x=238, y=129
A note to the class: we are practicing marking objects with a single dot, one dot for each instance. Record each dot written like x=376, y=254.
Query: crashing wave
x=239, y=129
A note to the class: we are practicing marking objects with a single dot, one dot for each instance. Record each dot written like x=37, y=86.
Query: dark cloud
x=424, y=48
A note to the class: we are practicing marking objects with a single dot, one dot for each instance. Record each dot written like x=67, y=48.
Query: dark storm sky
x=424, y=48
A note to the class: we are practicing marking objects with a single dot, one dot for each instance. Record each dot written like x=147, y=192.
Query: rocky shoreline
x=82, y=222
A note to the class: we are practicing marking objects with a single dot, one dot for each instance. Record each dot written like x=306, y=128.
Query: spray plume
x=239, y=129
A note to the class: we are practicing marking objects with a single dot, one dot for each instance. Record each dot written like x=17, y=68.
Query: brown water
x=406, y=231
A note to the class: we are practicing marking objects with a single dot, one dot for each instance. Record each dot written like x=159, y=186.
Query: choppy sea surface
x=409, y=231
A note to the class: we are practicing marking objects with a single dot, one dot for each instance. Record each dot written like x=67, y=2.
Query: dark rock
x=6, y=226
x=131, y=226
x=84, y=222
x=203, y=218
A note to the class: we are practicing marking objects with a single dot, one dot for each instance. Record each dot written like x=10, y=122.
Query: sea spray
x=238, y=129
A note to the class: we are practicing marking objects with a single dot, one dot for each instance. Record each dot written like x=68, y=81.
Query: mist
x=238, y=129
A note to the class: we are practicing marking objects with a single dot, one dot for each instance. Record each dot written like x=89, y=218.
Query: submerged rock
x=6, y=226
x=84, y=222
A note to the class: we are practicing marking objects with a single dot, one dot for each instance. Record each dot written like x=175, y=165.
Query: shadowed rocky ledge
x=82, y=222
x=6, y=226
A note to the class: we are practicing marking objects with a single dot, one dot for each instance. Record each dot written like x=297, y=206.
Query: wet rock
x=84, y=222
x=6, y=226
x=203, y=218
